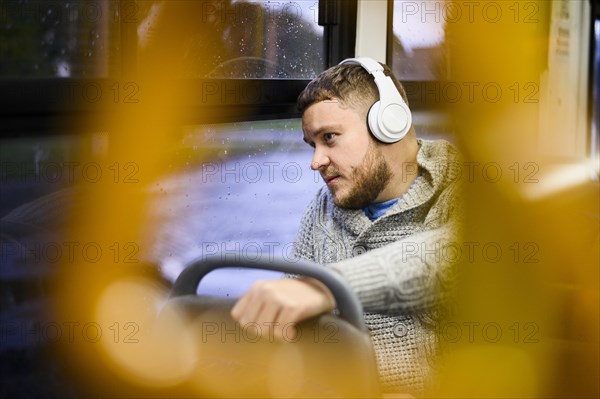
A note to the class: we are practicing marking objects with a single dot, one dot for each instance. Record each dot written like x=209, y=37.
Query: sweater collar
x=433, y=161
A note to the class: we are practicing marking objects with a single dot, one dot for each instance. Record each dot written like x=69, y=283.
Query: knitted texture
x=397, y=265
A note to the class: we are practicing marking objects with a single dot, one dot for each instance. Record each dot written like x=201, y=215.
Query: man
x=387, y=212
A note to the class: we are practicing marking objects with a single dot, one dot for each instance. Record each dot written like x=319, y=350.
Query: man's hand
x=283, y=303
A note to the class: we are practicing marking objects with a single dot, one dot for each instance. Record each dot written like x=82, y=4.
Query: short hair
x=350, y=83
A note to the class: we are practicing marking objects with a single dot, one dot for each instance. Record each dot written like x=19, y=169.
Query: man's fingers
x=269, y=314
x=286, y=324
x=238, y=309
x=243, y=308
x=280, y=304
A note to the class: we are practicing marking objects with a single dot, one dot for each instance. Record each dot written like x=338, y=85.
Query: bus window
x=236, y=190
x=235, y=39
x=43, y=39
x=418, y=40
x=238, y=39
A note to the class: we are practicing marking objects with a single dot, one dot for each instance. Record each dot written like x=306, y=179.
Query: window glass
x=418, y=40
x=40, y=38
x=33, y=167
x=236, y=39
x=238, y=191
x=209, y=38
x=37, y=176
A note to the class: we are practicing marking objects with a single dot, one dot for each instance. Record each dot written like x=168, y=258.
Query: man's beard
x=369, y=180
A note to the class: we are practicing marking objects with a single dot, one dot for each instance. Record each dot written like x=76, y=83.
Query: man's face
x=345, y=154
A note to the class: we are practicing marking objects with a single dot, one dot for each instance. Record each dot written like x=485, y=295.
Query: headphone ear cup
x=372, y=121
x=395, y=124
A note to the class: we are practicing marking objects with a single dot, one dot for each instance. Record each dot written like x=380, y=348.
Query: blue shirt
x=375, y=211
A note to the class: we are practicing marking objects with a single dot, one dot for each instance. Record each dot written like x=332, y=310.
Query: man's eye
x=328, y=136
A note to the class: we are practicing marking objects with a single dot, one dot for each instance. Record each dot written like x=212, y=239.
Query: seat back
x=331, y=355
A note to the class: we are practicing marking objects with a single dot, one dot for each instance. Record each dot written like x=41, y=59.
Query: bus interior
x=136, y=136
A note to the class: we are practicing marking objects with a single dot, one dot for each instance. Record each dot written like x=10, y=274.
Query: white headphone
x=389, y=119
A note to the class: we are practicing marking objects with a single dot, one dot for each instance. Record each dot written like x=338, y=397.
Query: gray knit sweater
x=397, y=264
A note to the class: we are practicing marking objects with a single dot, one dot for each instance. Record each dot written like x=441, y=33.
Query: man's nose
x=319, y=160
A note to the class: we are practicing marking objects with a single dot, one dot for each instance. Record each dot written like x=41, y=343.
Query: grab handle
x=348, y=305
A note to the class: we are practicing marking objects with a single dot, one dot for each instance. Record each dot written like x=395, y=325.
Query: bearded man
x=387, y=213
